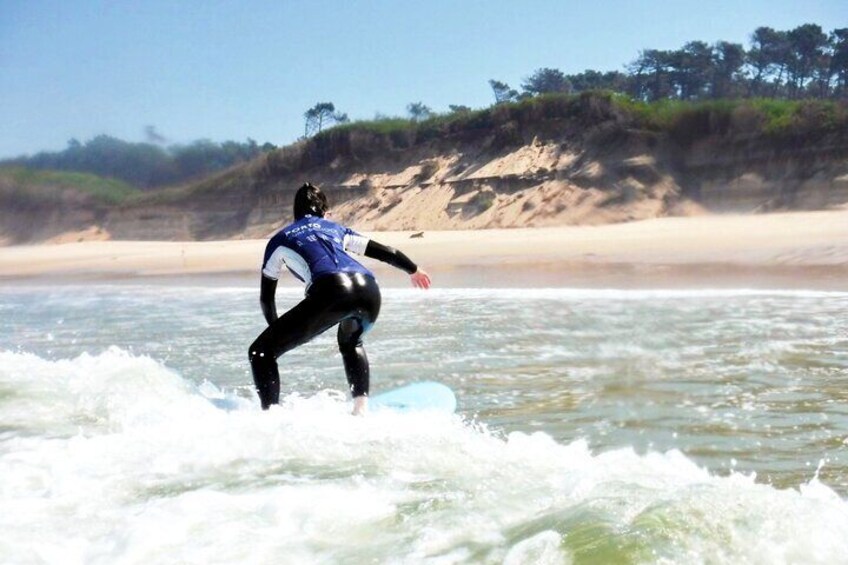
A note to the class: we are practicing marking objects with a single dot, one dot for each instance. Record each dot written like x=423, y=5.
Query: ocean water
x=594, y=426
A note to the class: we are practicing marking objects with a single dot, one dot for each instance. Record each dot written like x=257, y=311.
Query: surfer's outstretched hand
x=420, y=279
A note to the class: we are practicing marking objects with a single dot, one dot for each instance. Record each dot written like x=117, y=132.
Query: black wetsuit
x=339, y=291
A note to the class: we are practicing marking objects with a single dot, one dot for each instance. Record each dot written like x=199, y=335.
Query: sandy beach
x=791, y=250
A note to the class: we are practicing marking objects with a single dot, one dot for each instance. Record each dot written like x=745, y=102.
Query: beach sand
x=785, y=250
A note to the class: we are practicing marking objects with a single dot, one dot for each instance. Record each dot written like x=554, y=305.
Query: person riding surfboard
x=339, y=291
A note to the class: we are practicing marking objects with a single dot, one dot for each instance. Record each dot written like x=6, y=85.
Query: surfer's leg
x=354, y=357
x=266, y=374
x=297, y=326
x=350, y=335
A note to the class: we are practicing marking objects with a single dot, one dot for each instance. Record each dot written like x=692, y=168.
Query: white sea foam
x=116, y=458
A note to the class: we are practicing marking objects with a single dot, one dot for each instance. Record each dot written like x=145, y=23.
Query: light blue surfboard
x=415, y=397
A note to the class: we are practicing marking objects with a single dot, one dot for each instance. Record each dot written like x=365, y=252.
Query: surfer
x=339, y=290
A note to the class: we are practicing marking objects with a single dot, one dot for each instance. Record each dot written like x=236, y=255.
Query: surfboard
x=416, y=397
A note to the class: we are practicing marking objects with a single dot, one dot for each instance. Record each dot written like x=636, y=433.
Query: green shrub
x=50, y=184
x=780, y=115
x=686, y=121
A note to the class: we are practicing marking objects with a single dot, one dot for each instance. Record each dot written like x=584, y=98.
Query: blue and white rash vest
x=312, y=247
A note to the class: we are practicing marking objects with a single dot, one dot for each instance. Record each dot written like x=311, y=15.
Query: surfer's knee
x=349, y=345
x=350, y=334
x=256, y=352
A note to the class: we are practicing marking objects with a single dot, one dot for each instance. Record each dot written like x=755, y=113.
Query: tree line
x=144, y=165
x=801, y=63
x=804, y=62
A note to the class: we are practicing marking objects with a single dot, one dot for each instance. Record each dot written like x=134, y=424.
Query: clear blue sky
x=229, y=70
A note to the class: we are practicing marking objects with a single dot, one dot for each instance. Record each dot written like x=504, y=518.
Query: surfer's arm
x=391, y=256
x=399, y=260
x=267, y=300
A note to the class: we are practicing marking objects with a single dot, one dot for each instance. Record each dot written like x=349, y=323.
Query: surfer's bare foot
x=360, y=405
